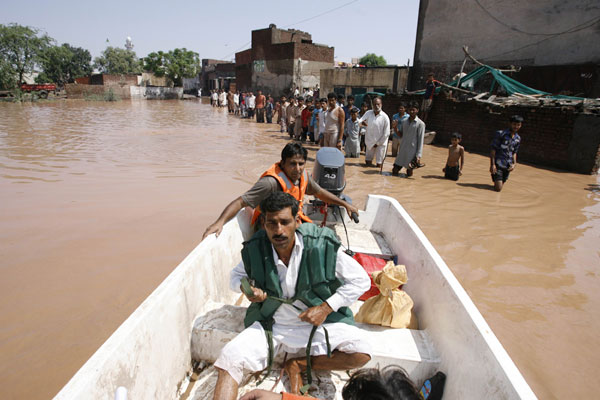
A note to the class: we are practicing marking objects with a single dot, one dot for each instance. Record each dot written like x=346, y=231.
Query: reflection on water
x=101, y=200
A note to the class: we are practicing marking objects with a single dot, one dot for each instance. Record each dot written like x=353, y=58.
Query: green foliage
x=155, y=63
x=8, y=79
x=372, y=60
x=62, y=64
x=175, y=65
x=115, y=60
x=20, y=51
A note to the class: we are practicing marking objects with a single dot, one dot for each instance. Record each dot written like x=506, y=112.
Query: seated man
x=302, y=279
x=288, y=175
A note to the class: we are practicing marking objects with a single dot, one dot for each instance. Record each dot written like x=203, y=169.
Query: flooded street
x=100, y=201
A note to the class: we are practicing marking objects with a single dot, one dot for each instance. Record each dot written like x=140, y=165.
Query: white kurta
x=249, y=349
x=413, y=133
x=378, y=128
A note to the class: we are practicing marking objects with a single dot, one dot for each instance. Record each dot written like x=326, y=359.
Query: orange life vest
x=287, y=186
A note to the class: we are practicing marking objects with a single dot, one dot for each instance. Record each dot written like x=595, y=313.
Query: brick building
x=555, y=42
x=216, y=74
x=280, y=60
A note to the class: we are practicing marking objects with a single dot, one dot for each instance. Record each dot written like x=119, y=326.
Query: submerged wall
x=156, y=93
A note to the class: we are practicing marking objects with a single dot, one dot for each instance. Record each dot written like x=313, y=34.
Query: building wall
x=280, y=59
x=114, y=80
x=532, y=33
x=209, y=66
x=149, y=79
x=558, y=137
x=368, y=78
x=96, y=92
x=156, y=93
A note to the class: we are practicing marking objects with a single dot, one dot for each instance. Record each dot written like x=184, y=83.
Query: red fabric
x=370, y=264
x=289, y=396
x=305, y=117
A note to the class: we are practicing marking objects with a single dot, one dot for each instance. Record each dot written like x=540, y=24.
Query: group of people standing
x=334, y=121
x=245, y=104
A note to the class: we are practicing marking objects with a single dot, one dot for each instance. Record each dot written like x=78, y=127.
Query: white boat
x=156, y=352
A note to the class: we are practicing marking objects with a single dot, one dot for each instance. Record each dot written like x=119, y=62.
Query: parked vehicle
x=42, y=89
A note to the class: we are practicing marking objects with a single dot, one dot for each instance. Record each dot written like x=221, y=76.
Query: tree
x=155, y=63
x=20, y=50
x=182, y=63
x=175, y=65
x=372, y=60
x=115, y=60
x=62, y=64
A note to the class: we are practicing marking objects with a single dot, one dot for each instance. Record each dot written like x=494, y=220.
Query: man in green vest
x=302, y=286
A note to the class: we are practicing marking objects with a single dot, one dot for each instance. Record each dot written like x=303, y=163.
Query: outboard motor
x=329, y=172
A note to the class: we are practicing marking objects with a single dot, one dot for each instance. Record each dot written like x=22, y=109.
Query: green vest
x=316, y=275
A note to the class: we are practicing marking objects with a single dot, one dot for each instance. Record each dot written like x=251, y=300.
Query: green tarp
x=507, y=83
x=359, y=98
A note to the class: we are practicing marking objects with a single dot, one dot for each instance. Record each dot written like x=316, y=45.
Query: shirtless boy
x=456, y=153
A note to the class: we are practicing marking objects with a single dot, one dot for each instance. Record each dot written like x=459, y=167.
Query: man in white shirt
x=273, y=258
x=251, y=104
x=411, y=147
x=377, y=134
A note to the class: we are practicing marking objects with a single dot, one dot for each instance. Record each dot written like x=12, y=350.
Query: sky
x=217, y=29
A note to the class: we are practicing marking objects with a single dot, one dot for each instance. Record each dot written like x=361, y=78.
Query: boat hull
x=150, y=354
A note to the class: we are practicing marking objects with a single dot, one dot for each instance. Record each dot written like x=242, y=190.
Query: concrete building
x=280, y=60
x=355, y=81
x=216, y=74
x=556, y=42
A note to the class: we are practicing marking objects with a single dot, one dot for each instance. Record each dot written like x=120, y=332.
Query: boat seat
x=411, y=349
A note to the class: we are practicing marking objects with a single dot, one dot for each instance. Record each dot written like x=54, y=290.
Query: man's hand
x=512, y=166
x=364, y=123
x=350, y=209
x=215, y=228
x=339, y=145
x=316, y=315
x=259, y=394
x=493, y=169
x=259, y=295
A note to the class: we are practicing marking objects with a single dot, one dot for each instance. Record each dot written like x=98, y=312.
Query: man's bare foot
x=292, y=368
x=368, y=163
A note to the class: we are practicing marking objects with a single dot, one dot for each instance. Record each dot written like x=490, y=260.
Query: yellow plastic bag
x=392, y=307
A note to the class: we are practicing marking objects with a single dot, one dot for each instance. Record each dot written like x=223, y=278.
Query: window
x=339, y=90
x=359, y=90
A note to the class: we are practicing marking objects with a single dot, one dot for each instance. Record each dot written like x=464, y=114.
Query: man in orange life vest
x=289, y=176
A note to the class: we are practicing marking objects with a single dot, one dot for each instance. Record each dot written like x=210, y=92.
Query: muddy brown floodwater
x=100, y=201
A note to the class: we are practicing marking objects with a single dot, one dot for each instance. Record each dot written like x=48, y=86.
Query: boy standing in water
x=503, y=157
x=456, y=153
x=352, y=134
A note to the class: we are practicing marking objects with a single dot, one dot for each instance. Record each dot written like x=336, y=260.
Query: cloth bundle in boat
x=370, y=264
x=393, y=306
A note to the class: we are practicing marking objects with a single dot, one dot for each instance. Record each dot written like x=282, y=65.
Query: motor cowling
x=329, y=171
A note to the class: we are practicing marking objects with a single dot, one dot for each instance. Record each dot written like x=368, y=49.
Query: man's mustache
x=277, y=237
